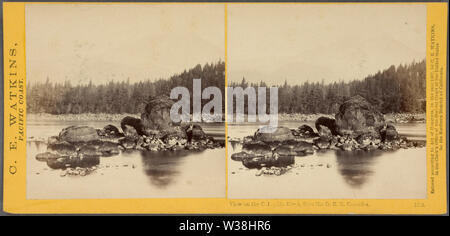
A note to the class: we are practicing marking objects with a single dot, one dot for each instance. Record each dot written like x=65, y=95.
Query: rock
x=259, y=172
x=156, y=116
x=129, y=131
x=259, y=162
x=112, y=133
x=171, y=141
x=247, y=139
x=365, y=139
x=131, y=126
x=194, y=132
x=389, y=133
x=347, y=147
x=53, y=139
x=329, y=123
x=284, y=150
x=257, y=148
x=73, y=162
x=322, y=143
x=274, y=170
x=58, y=163
x=101, y=132
x=324, y=131
x=356, y=116
x=108, y=148
x=47, y=155
x=74, y=134
x=419, y=143
x=89, y=151
x=303, y=148
x=305, y=131
x=241, y=156
x=295, y=132
x=111, y=130
x=278, y=171
x=85, y=161
x=300, y=147
x=273, y=134
x=128, y=143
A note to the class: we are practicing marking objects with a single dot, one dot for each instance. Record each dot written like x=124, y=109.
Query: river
x=335, y=174
x=135, y=174
x=187, y=174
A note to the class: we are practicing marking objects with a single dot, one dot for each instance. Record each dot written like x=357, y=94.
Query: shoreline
x=79, y=117
x=390, y=117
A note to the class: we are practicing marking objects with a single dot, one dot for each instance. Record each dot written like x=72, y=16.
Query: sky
x=321, y=42
x=100, y=43
x=265, y=42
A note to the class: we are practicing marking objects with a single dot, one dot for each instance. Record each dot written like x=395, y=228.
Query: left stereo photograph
x=100, y=92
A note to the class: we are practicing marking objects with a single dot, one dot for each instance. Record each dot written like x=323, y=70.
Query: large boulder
x=324, y=131
x=357, y=116
x=131, y=126
x=389, y=133
x=194, y=132
x=75, y=134
x=325, y=122
x=156, y=116
x=273, y=134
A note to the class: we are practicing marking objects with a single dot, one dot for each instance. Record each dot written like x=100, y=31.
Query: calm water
x=335, y=174
x=135, y=174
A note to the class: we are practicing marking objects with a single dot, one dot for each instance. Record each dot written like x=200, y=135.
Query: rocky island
x=357, y=126
x=77, y=149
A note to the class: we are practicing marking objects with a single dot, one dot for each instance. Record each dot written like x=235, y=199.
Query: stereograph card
x=225, y=107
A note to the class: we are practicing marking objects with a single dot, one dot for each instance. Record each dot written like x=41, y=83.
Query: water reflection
x=73, y=162
x=234, y=144
x=356, y=167
x=281, y=161
x=163, y=167
x=40, y=145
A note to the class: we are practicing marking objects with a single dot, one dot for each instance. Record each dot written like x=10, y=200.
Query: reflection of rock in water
x=84, y=161
x=162, y=167
x=259, y=162
x=39, y=144
x=234, y=144
x=356, y=166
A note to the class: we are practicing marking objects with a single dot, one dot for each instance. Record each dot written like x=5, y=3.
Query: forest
x=116, y=97
x=397, y=89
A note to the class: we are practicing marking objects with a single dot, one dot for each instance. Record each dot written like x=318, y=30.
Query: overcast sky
x=119, y=41
x=299, y=42
x=269, y=42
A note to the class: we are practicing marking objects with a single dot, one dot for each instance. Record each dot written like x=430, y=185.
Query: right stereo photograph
x=326, y=101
